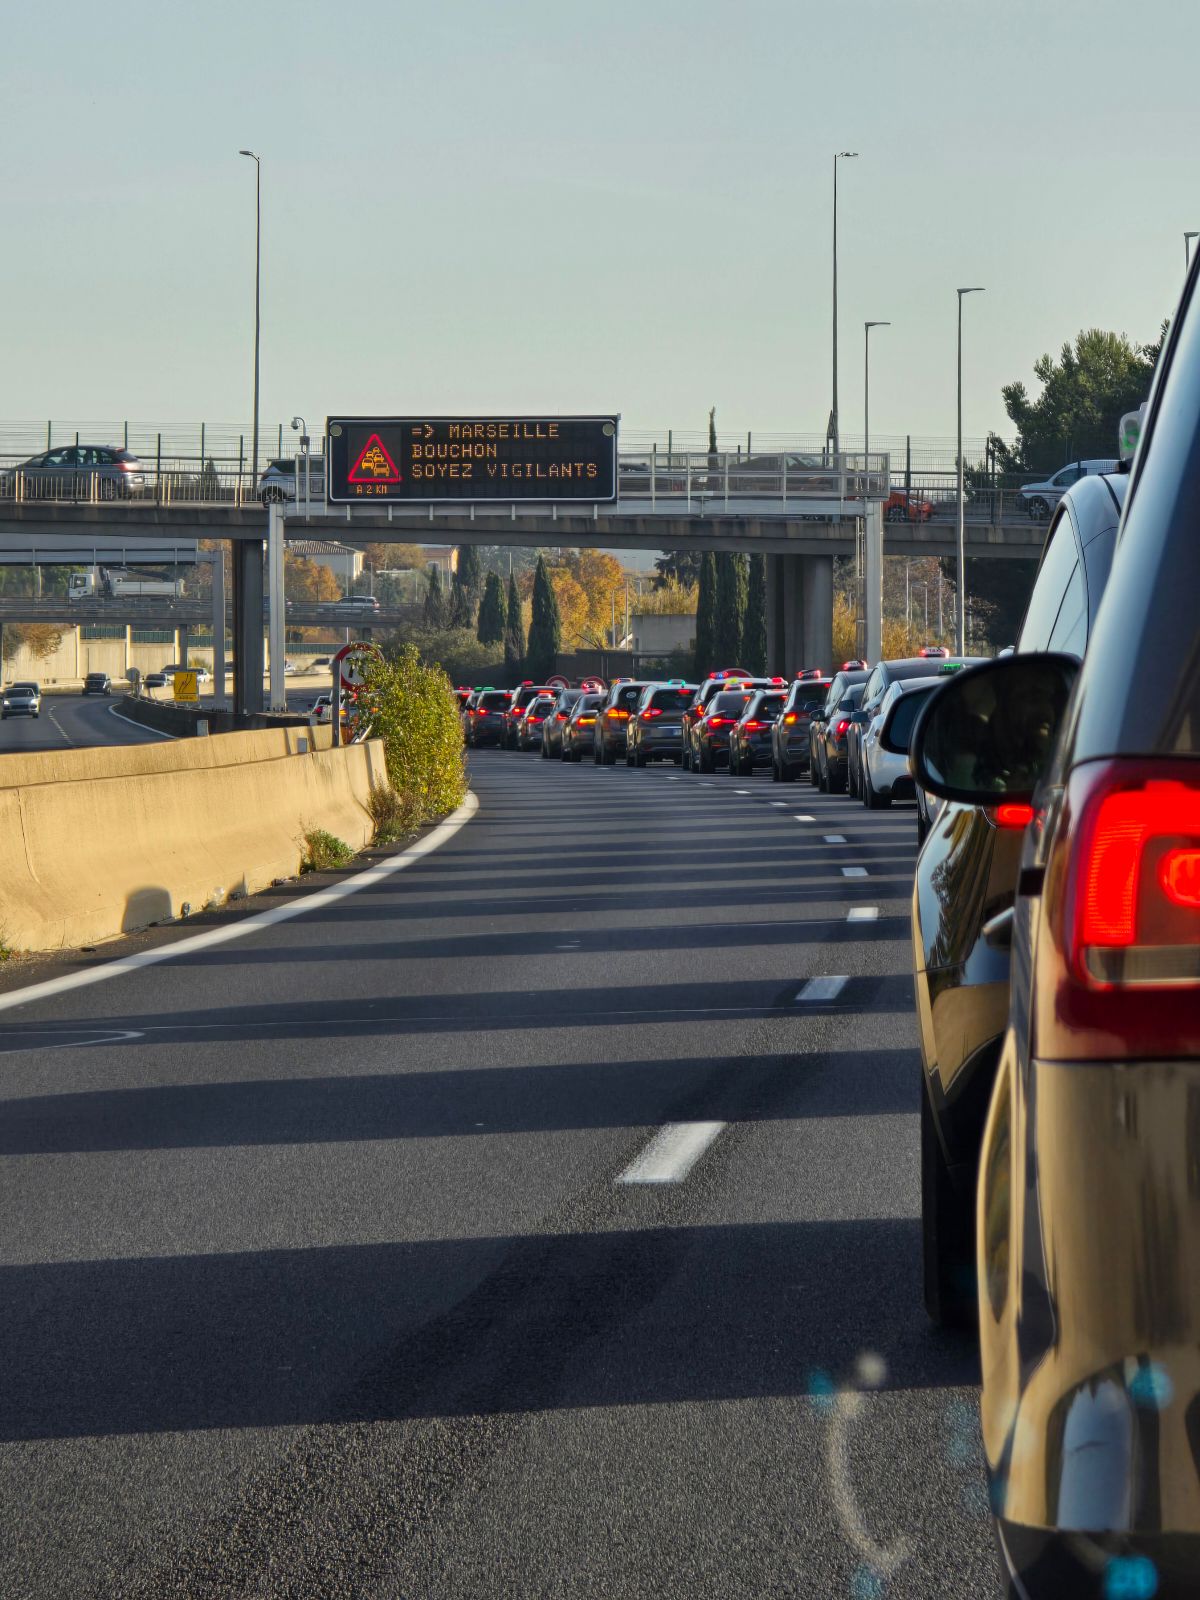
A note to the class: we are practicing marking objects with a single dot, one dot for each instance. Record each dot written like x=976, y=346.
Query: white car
x=885, y=774
x=203, y=675
x=278, y=480
x=21, y=700
x=1040, y=499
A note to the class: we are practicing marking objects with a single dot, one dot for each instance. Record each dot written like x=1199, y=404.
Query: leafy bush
x=324, y=852
x=392, y=814
x=456, y=650
x=411, y=708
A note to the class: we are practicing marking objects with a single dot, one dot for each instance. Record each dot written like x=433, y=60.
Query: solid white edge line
x=672, y=1153
x=144, y=726
x=262, y=919
x=821, y=989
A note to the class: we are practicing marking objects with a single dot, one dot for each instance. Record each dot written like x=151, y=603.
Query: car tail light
x=1122, y=894
x=617, y=714
x=587, y=719
x=479, y=712
x=560, y=716
x=842, y=726
x=754, y=726
x=128, y=466
x=650, y=713
x=533, y=719
x=789, y=718
x=720, y=722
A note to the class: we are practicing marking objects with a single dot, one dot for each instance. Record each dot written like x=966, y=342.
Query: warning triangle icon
x=374, y=464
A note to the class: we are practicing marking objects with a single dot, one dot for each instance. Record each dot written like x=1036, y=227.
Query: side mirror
x=989, y=732
x=895, y=732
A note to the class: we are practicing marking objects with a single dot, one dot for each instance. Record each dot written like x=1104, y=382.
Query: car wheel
x=608, y=758
x=1039, y=509
x=639, y=760
x=823, y=780
x=787, y=772
x=271, y=496
x=851, y=778
x=628, y=758
x=774, y=768
x=947, y=1235
x=705, y=762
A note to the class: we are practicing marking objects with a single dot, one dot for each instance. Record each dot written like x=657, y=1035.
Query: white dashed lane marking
x=821, y=989
x=854, y=872
x=863, y=914
x=672, y=1153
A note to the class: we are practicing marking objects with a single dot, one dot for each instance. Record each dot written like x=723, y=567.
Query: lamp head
x=978, y=289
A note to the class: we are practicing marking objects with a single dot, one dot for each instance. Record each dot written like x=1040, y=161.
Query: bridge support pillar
x=817, y=581
x=873, y=580
x=247, y=625
x=799, y=613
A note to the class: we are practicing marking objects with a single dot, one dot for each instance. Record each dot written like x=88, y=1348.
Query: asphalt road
x=320, y=1278
x=72, y=721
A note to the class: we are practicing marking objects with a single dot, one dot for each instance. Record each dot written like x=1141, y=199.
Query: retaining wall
x=94, y=843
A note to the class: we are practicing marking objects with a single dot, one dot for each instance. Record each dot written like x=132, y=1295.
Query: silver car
x=75, y=472
x=885, y=774
x=278, y=480
x=21, y=700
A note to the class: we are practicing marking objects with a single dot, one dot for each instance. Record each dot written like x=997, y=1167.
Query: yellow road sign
x=187, y=686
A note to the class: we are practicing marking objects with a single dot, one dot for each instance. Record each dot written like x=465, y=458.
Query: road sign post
x=464, y=460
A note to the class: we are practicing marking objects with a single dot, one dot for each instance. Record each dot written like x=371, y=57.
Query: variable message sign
x=373, y=460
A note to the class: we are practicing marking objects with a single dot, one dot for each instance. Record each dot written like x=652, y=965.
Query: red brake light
x=587, y=719
x=789, y=718
x=719, y=722
x=843, y=724
x=560, y=716
x=615, y=711
x=650, y=713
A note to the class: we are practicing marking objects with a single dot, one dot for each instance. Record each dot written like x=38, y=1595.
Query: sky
x=550, y=207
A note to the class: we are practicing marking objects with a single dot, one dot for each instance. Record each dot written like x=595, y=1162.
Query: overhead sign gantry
x=420, y=460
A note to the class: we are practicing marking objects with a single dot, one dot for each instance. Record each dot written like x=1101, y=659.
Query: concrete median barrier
x=94, y=843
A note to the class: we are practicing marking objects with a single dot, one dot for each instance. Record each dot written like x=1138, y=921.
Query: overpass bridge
x=800, y=511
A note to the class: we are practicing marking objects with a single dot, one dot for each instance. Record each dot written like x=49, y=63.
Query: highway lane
x=72, y=722
x=326, y=1281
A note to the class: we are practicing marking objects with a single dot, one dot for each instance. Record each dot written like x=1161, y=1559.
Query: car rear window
x=770, y=705
x=671, y=699
x=905, y=714
x=493, y=701
x=628, y=695
x=730, y=702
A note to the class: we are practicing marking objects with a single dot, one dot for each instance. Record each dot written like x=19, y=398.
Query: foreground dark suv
x=1088, y=1206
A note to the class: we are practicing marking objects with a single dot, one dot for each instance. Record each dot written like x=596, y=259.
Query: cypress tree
x=706, y=616
x=732, y=587
x=491, y=612
x=462, y=613
x=545, y=627
x=435, y=600
x=754, y=635
x=470, y=576
x=514, y=629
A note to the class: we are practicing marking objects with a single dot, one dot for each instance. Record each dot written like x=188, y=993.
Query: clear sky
x=550, y=206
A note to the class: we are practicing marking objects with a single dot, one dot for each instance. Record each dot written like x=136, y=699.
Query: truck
x=117, y=583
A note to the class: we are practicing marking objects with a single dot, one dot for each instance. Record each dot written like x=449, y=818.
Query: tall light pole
x=1187, y=248
x=842, y=155
x=961, y=608
x=257, y=301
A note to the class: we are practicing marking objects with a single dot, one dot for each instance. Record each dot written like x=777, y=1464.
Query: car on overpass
x=21, y=700
x=901, y=506
x=1038, y=500
x=278, y=480
x=76, y=472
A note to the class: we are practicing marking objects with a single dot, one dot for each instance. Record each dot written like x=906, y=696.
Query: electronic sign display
x=390, y=460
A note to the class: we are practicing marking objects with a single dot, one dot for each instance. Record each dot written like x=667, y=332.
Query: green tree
x=732, y=593
x=470, y=575
x=461, y=611
x=678, y=566
x=545, y=627
x=754, y=634
x=491, y=612
x=1084, y=395
x=514, y=629
x=435, y=600
x=706, y=616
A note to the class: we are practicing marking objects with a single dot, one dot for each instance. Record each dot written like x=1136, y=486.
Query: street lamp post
x=1187, y=248
x=961, y=607
x=867, y=326
x=842, y=155
x=257, y=300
